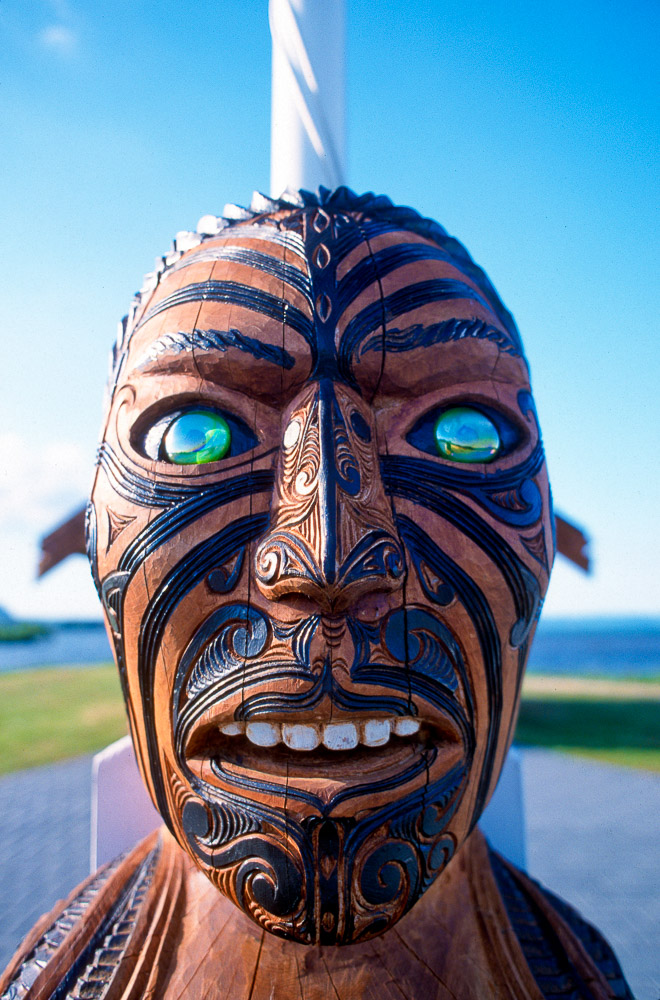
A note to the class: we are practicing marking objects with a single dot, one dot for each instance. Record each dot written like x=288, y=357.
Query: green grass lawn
x=57, y=712
x=54, y=713
x=613, y=721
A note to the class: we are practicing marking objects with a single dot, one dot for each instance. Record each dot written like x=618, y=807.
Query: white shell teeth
x=340, y=736
x=233, y=728
x=376, y=732
x=263, y=734
x=301, y=737
x=333, y=735
x=405, y=725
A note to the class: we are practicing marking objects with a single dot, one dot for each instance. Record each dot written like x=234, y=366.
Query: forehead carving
x=321, y=626
x=332, y=291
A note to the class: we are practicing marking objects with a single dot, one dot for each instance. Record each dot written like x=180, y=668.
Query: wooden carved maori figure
x=321, y=532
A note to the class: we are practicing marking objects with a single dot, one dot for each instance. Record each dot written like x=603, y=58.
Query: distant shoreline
x=596, y=648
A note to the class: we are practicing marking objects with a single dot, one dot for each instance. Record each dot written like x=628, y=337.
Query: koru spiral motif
x=321, y=531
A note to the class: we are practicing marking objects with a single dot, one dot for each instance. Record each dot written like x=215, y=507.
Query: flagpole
x=308, y=137
x=308, y=148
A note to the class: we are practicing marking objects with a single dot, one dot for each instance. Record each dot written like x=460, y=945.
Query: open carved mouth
x=343, y=749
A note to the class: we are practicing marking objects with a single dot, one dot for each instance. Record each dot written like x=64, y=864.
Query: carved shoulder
x=567, y=956
x=104, y=940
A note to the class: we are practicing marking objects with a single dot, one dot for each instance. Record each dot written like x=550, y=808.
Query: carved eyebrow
x=378, y=264
x=214, y=340
x=246, y=296
x=401, y=301
x=409, y=339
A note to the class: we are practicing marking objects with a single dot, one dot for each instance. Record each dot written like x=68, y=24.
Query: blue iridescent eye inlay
x=196, y=437
x=466, y=433
x=463, y=434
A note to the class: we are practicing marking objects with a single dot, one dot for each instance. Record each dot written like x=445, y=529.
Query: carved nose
x=332, y=538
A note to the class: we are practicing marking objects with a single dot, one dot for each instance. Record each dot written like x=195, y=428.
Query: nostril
x=305, y=606
x=375, y=606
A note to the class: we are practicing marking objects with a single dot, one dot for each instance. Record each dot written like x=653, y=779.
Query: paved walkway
x=44, y=843
x=592, y=837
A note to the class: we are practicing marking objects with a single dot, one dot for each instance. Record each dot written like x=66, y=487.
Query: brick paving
x=593, y=837
x=44, y=843
x=604, y=859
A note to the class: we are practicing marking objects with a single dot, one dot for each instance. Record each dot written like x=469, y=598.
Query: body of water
x=608, y=647
x=620, y=647
x=72, y=645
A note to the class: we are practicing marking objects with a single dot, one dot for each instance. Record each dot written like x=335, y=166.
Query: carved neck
x=455, y=943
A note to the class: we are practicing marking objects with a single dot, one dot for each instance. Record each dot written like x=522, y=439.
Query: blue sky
x=529, y=131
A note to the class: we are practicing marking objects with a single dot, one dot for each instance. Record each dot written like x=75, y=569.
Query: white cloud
x=59, y=38
x=40, y=484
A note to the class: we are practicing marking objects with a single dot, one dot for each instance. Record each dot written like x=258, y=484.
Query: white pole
x=308, y=146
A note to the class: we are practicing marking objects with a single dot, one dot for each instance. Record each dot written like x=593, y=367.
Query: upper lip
x=362, y=731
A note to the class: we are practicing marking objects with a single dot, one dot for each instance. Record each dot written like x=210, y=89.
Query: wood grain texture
x=189, y=941
x=68, y=539
x=321, y=532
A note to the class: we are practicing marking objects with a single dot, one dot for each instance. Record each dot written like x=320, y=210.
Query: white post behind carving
x=308, y=145
x=308, y=148
x=122, y=812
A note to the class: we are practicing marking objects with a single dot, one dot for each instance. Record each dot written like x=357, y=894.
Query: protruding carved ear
x=572, y=543
x=69, y=538
x=64, y=541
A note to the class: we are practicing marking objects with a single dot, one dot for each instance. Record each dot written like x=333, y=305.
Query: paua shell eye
x=195, y=437
x=463, y=434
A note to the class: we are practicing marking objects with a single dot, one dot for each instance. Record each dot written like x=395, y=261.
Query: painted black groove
x=378, y=215
x=369, y=228
x=487, y=489
x=216, y=340
x=130, y=485
x=403, y=300
x=177, y=584
x=253, y=674
x=275, y=266
x=411, y=338
x=401, y=477
x=383, y=262
x=240, y=295
x=324, y=808
x=144, y=492
x=287, y=238
x=170, y=522
x=413, y=802
x=422, y=547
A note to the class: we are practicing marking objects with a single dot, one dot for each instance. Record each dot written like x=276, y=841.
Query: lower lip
x=346, y=766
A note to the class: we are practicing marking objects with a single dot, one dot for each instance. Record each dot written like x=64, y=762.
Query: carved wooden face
x=321, y=530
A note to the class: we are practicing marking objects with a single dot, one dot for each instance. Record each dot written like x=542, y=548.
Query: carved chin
x=321, y=803
x=305, y=859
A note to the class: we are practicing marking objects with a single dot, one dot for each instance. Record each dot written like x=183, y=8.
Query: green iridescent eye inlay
x=466, y=435
x=196, y=437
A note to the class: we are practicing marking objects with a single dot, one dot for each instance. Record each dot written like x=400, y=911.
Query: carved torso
x=321, y=531
x=153, y=926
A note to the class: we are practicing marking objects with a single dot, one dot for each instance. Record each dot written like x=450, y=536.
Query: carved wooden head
x=321, y=532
